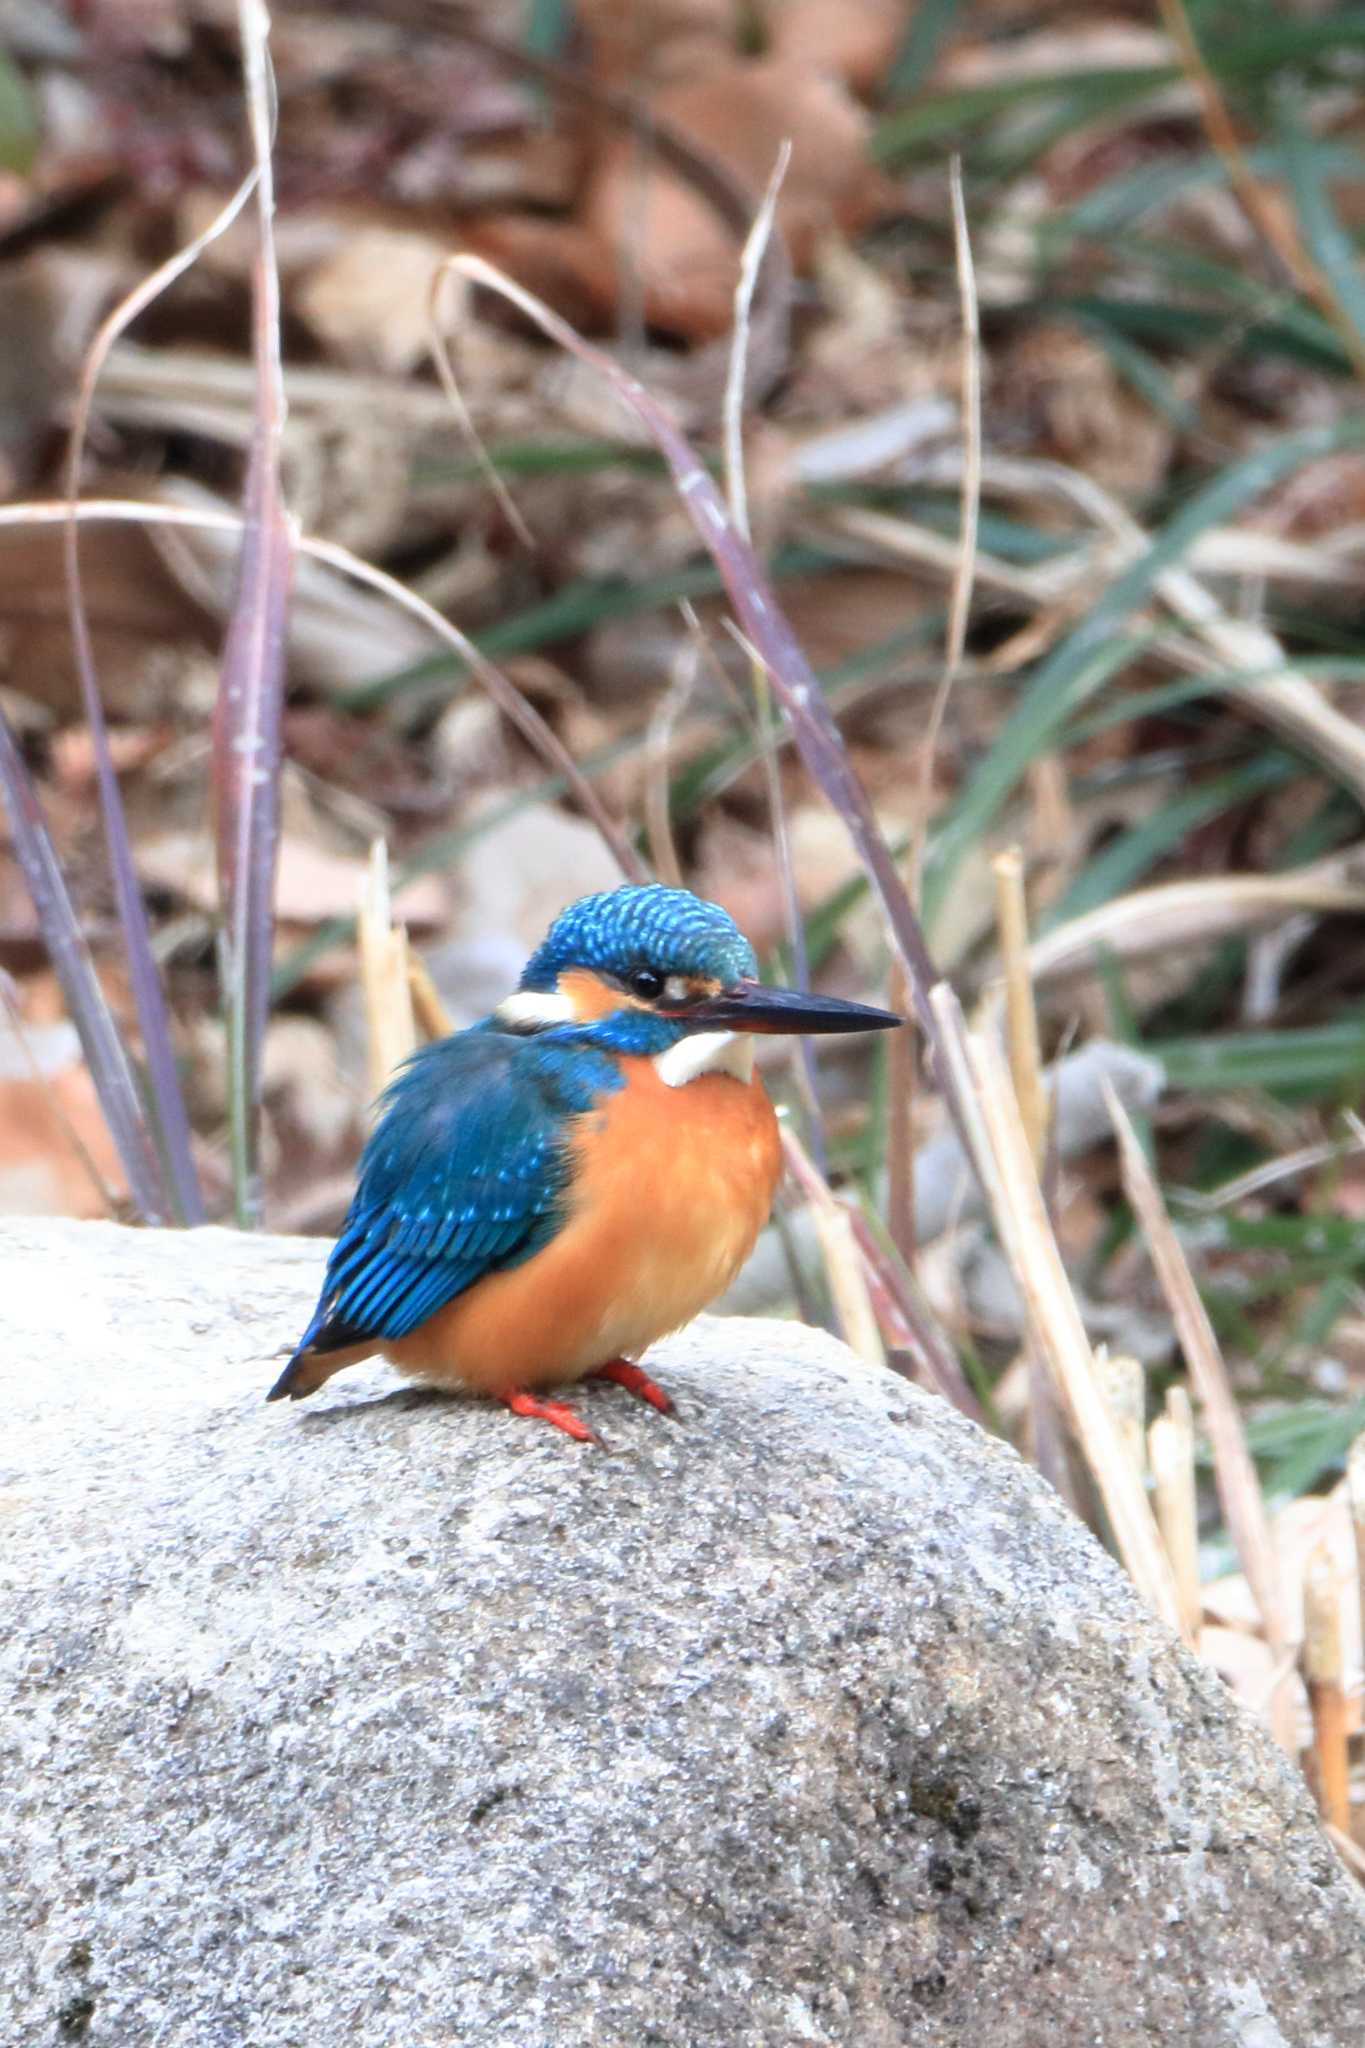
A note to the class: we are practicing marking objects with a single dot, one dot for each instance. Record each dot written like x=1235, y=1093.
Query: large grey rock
x=398, y=1722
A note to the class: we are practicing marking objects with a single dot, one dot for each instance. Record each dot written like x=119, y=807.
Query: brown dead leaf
x=1297, y=1530
x=1245, y=1663
x=313, y=884
x=49, y=303
x=1317, y=501
x=130, y=747
x=48, y=1118
x=1060, y=389
x=740, y=113
x=558, y=260
x=854, y=40
x=735, y=867
x=144, y=629
x=367, y=301
x=844, y=613
x=636, y=42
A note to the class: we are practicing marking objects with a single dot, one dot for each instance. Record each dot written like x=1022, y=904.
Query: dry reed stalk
x=1044, y=1443
x=1238, y=1487
x=767, y=728
x=1355, y=1495
x=663, y=849
x=1124, y=1386
x=1196, y=912
x=247, y=744
x=901, y=1081
x=965, y=550
x=1265, y=208
x=391, y=1032
x=1030, y=1089
x=1322, y=1671
x=1268, y=1175
x=848, y=1282
x=1253, y=666
x=1171, y=1446
x=732, y=409
x=901, y=1071
x=1022, y=1224
x=1051, y=836
x=429, y=1011
x=1021, y=1015
x=885, y=533
x=843, y=1260
x=444, y=290
x=907, y=1319
x=165, y=1093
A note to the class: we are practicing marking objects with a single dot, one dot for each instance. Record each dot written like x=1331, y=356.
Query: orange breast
x=671, y=1189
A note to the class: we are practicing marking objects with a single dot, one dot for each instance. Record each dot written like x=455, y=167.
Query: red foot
x=555, y=1412
x=635, y=1380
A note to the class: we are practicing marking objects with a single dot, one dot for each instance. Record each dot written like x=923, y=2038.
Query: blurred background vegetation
x=1139, y=491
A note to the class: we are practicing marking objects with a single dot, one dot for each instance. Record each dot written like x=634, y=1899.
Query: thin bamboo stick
x=1322, y=1670
x=1238, y=1487
x=1022, y=1223
x=1124, y=1386
x=1171, y=1444
x=429, y=1011
x=843, y=1261
x=391, y=1030
x=1021, y=1015
x=1355, y=1494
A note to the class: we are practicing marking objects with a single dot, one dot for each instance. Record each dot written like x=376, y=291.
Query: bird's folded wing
x=464, y=1174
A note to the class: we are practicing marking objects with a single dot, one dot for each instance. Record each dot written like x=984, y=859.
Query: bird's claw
x=556, y=1412
x=636, y=1381
x=633, y=1378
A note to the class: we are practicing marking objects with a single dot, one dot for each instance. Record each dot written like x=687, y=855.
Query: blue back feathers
x=466, y=1172
x=643, y=925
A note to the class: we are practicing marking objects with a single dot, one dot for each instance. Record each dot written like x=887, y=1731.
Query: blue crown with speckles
x=643, y=925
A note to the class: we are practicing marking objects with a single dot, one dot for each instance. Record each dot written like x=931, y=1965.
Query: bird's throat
x=706, y=1052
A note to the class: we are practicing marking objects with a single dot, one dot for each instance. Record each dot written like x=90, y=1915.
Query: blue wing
x=464, y=1174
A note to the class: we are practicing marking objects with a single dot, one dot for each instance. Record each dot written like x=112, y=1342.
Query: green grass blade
x=1093, y=651
x=18, y=121
x=1124, y=863
x=1331, y=248
x=1323, y=1061
x=589, y=602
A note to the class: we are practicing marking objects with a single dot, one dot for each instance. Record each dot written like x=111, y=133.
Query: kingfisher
x=548, y=1192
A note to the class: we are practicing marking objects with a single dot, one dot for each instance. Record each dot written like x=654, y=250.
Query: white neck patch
x=534, y=1010
x=706, y=1052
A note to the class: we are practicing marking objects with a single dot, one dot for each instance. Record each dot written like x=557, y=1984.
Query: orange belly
x=671, y=1189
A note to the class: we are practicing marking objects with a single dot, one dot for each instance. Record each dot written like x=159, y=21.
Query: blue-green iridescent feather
x=467, y=1170
x=643, y=925
x=464, y=1174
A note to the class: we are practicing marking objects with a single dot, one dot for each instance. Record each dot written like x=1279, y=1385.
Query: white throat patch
x=706, y=1052
x=534, y=1010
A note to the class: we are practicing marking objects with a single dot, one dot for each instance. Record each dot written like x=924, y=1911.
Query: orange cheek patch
x=590, y=996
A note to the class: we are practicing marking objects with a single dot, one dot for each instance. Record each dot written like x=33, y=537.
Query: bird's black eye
x=645, y=983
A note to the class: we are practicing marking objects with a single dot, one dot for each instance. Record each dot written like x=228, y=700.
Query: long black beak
x=749, y=1006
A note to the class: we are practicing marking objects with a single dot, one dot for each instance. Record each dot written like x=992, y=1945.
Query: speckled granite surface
x=398, y=1721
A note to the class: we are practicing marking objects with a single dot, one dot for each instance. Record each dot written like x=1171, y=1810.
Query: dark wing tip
x=327, y=1332
x=283, y=1389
